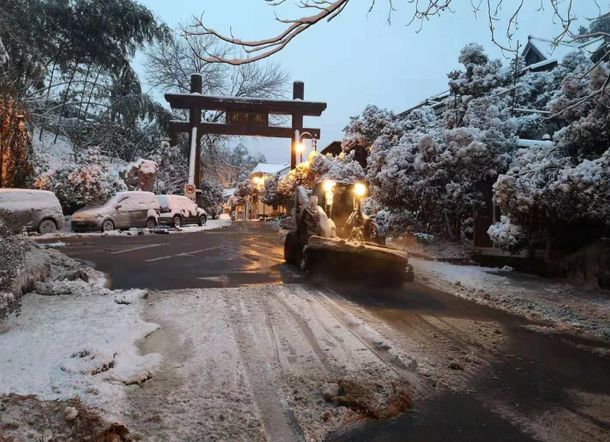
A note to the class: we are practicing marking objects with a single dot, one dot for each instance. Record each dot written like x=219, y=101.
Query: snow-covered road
x=253, y=364
x=250, y=354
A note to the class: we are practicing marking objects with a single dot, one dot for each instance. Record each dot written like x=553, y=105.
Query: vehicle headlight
x=360, y=189
x=328, y=185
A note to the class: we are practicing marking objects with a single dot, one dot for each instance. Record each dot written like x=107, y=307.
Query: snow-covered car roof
x=27, y=194
x=26, y=191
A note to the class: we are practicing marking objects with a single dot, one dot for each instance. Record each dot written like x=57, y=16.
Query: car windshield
x=102, y=203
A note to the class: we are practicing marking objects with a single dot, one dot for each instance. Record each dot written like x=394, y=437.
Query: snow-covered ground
x=260, y=363
x=77, y=343
x=560, y=305
x=59, y=154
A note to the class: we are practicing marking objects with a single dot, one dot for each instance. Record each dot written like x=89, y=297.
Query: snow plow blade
x=370, y=262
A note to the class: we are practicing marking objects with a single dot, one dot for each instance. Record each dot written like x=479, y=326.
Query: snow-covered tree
x=173, y=168
x=319, y=167
x=550, y=188
x=479, y=77
x=364, y=129
x=211, y=197
x=430, y=171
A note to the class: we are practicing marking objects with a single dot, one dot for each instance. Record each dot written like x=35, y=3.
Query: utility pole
x=298, y=93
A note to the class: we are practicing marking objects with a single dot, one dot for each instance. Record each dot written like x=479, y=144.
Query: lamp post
x=300, y=145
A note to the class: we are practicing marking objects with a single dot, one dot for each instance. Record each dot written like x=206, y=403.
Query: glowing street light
x=299, y=142
x=300, y=148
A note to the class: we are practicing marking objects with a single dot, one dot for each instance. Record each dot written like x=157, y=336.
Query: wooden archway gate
x=244, y=117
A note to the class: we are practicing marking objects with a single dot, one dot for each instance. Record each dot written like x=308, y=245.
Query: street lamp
x=300, y=145
x=300, y=148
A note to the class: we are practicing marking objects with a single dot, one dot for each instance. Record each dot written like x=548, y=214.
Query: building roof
x=333, y=149
x=270, y=169
x=547, y=49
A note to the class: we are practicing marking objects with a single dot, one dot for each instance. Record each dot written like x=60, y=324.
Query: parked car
x=123, y=211
x=177, y=210
x=36, y=210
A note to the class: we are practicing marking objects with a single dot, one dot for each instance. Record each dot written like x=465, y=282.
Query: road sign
x=190, y=191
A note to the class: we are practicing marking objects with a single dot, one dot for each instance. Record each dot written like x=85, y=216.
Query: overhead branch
x=259, y=49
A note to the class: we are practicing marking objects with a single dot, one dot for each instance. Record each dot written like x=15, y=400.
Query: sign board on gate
x=249, y=118
x=190, y=191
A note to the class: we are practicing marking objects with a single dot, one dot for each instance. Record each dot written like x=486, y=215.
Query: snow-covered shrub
x=340, y=168
x=510, y=236
x=395, y=223
x=86, y=181
x=271, y=195
x=140, y=175
x=319, y=167
x=363, y=130
x=302, y=175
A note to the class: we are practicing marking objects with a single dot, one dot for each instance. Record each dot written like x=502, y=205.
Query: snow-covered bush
x=271, y=195
x=140, y=175
x=363, y=130
x=511, y=236
x=86, y=181
x=340, y=168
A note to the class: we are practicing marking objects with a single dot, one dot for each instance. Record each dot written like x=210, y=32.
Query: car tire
x=47, y=226
x=177, y=221
x=107, y=225
x=151, y=223
x=203, y=220
x=293, y=253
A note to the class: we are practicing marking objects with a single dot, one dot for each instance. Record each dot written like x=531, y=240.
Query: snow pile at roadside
x=562, y=305
x=210, y=225
x=76, y=344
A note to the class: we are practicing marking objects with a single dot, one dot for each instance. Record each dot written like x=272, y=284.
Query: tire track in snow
x=386, y=358
x=309, y=336
x=278, y=420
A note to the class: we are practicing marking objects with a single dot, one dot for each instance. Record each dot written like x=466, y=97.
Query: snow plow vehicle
x=340, y=239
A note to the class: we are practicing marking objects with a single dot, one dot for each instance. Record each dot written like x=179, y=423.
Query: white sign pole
x=192, y=157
